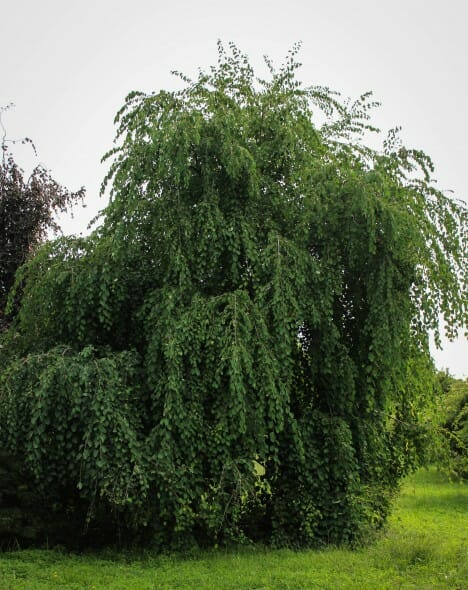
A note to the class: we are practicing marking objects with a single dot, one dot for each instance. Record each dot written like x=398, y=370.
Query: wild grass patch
x=424, y=547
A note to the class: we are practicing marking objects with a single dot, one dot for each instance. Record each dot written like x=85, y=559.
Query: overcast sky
x=68, y=65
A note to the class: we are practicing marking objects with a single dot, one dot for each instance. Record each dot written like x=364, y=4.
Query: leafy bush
x=240, y=349
x=452, y=425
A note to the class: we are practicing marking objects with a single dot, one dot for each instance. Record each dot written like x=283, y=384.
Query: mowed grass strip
x=424, y=547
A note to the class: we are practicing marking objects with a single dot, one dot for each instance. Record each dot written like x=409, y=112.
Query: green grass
x=425, y=547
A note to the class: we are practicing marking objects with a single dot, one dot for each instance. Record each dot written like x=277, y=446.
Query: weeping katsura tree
x=240, y=349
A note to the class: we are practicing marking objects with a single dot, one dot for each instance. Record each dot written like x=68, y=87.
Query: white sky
x=67, y=65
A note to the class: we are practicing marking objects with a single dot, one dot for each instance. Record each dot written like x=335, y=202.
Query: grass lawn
x=425, y=547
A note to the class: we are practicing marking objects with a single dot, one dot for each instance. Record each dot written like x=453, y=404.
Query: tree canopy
x=27, y=213
x=240, y=349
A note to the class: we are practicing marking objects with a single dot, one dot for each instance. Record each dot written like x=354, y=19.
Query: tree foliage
x=27, y=213
x=450, y=423
x=240, y=349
